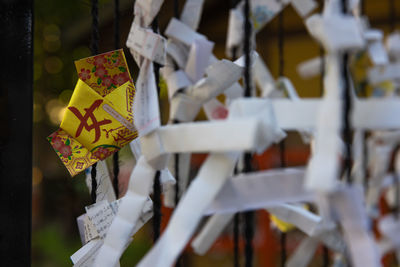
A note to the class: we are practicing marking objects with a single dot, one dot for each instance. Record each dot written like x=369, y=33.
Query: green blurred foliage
x=51, y=247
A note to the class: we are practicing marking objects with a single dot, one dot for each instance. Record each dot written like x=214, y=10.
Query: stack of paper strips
x=332, y=199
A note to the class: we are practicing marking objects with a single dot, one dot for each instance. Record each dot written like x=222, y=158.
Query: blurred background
x=62, y=35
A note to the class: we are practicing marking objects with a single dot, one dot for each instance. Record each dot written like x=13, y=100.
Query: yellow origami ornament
x=98, y=120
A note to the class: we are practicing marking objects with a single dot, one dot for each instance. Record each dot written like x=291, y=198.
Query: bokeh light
x=55, y=109
x=53, y=65
x=51, y=32
x=51, y=46
x=65, y=96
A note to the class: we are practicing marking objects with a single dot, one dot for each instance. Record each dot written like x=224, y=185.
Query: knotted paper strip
x=104, y=189
x=259, y=190
x=348, y=205
x=187, y=215
x=129, y=212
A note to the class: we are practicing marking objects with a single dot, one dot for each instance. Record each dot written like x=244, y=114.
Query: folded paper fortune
x=99, y=119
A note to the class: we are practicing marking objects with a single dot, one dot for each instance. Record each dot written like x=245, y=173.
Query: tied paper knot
x=261, y=109
x=336, y=32
x=144, y=42
x=221, y=75
x=261, y=13
x=215, y=171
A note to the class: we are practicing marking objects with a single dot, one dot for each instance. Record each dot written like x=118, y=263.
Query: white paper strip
x=198, y=137
x=179, y=31
x=306, y=221
x=359, y=155
x=233, y=92
x=220, y=76
x=263, y=77
x=286, y=85
x=251, y=126
x=215, y=110
x=384, y=246
x=147, y=43
x=84, y=257
x=101, y=215
x=175, y=81
x=211, y=177
x=333, y=240
x=336, y=32
x=80, y=221
x=129, y=212
x=348, y=204
x=393, y=45
x=339, y=260
x=166, y=177
x=310, y=68
x=147, y=10
x=259, y=190
x=210, y=232
x=389, y=226
x=371, y=114
x=379, y=153
x=135, y=148
x=200, y=52
x=377, y=53
x=261, y=109
x=104, y=189
x=391, y=192
x=263, y=11
x=235, y=32
x=90, y=230
x=304, y=7
x=379, y=74
x=145, y=105
x=191, y=13
x=178, y=51
x=184, y=108
x=184, y=170
x=304, y=253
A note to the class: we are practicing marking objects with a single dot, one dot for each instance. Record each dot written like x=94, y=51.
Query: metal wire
x=95, y=50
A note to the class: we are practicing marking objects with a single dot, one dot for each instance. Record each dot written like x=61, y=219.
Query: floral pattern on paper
x=63, y=145
x=84, y=74
x=100, y=60
x=104, y=151
x=100, y=72
x=104, y=72
x=74, y=156
x=121, y=78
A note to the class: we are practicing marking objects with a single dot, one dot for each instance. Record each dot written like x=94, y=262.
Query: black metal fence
x=16, y=82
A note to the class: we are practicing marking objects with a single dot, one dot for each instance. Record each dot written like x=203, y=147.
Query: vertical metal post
x=16, y=82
